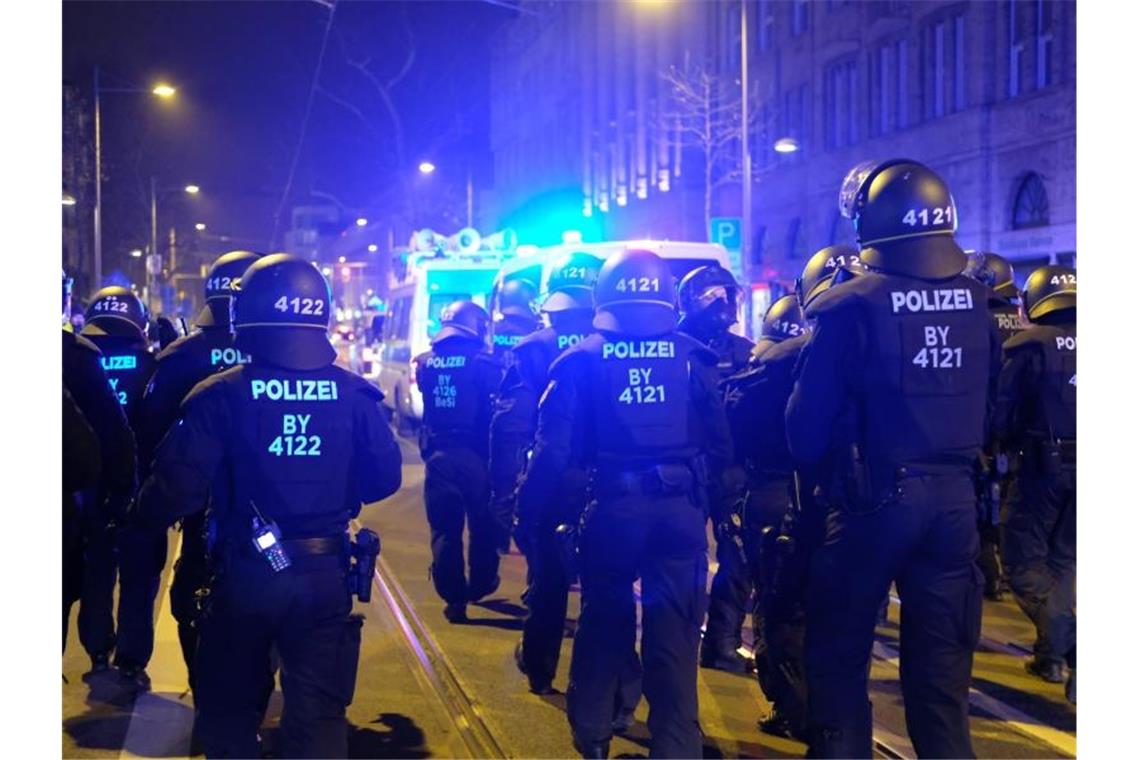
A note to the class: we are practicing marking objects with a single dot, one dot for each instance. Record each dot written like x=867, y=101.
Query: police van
x=435, y=272
x=535, y=264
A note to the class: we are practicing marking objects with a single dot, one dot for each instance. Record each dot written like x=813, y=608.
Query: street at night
x=429, y=689
x=571, y=378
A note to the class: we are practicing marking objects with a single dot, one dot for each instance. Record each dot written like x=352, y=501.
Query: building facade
x=983, y=92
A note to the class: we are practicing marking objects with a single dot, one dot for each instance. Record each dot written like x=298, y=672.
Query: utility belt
x=1053, y=456
x=665, y=479
x=296, y=548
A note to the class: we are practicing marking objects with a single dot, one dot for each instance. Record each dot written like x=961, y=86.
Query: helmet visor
x=713, y=293
x=849, y=191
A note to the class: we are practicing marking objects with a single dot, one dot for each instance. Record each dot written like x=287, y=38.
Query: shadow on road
x=503, y=607
x=403, y=738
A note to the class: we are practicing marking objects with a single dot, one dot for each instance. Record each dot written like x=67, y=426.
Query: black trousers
x=728, y=599
x=303, y=611
x=1039, y=546
x=191, y=574
x=927, y=543
x=100, y=572
x=547, y=599
x=142, y=555
x=456, y=491
x=662, y=540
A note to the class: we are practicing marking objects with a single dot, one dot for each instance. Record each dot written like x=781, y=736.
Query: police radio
x=365, y=548
x=267, y=541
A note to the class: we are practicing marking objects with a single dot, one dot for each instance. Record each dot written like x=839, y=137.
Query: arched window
x=1031, y=204
x=842, y=231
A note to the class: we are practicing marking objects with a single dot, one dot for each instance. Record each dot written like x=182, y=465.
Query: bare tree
x=705, y=114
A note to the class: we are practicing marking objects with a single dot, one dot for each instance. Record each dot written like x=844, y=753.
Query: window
x=903, y=86
x=945, y=70
x=1016, y=47
x=1031, y=203
x=841, y=104
x=799, y=10
x=1044, y=29
x=764, y=22
x=843, y=231
x=793, y=239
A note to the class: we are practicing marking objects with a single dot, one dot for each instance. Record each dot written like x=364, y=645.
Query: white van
x=415, y=303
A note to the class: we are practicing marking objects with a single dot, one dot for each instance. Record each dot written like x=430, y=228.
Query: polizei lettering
x=941, y=299
x=446, y=362
x=227, y=357
x=112, y=363
x=293, y=390
x=639, y=349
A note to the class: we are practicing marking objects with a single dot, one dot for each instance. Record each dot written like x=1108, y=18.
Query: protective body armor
x=921, y=393
x=128, y=365
x=536, y=352
x=1007, y=318
x=1053, y=410
x=755, y=401
x=451, y=377
x=293, y=433
x=508, y=332
x=639, y=392
x=732, y=351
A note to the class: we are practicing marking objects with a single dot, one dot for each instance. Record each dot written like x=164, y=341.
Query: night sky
x=244, y=71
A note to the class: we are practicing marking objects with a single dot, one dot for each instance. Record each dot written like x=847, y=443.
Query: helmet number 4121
x=926, y=217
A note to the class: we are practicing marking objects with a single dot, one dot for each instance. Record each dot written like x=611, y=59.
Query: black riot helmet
x=993, y=271
x=226, y=270
x=709, y=293
x=571, y=283
x=1049, y=289
x=117, y=311
x=634, y=295
x=817, y=274
x=517, y=299
x=784, y=319
x=904, y=218
x=463, y=318
x=281, y=312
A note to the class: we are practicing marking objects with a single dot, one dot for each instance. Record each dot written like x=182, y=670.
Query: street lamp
x=154, y=191
x=192, y=189
x=786, y=145
x=200, y=226
x=68, y=200
x=136, y=253
x=163, y=91
x=361, y=221
x=426, y=167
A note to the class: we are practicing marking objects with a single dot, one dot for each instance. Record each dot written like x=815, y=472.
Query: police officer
x=459, y=378
x=116, y=323
x=1036, y=414
x=636, y=404
x=895, y=377
x=709, y=298
x=182, y=365
x=996, y=273
x=570, y=308
x=515, y=318
x=286, y=448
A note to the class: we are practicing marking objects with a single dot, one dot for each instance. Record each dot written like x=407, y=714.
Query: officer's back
x=637, y=405
x=116, y=323
x=287, y=448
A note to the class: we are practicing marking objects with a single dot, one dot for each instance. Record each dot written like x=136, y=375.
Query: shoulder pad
x=696, y=349
x=538, y=337
x=785, y=350
x=1035, y=335
x=81, y=342
x=214, y=383
x=177, y=346
x=591, y=344
x=843, y=295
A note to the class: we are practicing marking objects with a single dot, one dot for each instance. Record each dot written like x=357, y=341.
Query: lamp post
x=745, y=157
x=154, y=191
x=427, y=167
x=163, y=91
